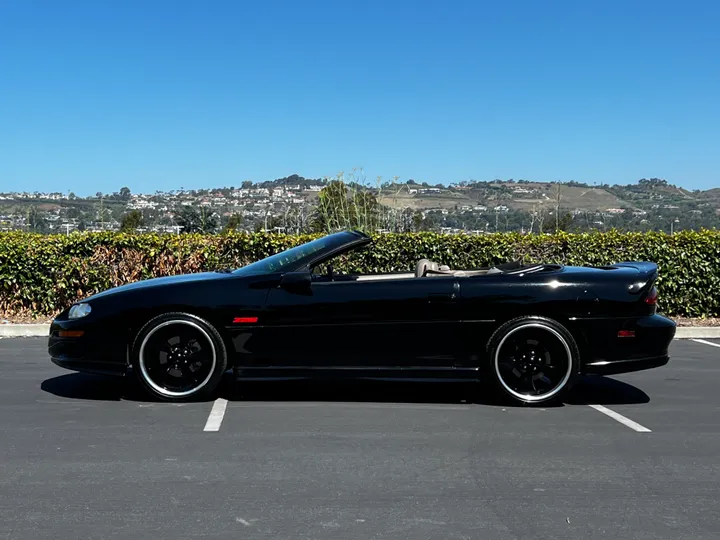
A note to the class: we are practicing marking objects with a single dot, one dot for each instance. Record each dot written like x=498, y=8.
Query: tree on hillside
x=558, y=222
x=331, y=212
x=342, y=208
x=131, y=221
x=652, y=182
x=233, y=223
x=125, y=193
x=36, y=223
x=72, y=213
x=192, y=220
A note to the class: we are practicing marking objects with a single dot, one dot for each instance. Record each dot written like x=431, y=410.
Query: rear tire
x=179, y=357
x=533, y=360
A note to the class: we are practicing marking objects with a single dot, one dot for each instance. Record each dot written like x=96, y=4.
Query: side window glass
x=322, y=268
x=334, y=269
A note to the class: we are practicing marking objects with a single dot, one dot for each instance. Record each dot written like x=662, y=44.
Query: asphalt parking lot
x=91, y=457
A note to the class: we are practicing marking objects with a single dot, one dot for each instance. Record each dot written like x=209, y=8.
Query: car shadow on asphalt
x=593, y=390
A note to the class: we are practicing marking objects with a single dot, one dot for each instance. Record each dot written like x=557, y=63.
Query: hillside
x=289, y=203
x=526, y=196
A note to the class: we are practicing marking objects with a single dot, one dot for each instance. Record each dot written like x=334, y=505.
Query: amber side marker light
x=71, y=333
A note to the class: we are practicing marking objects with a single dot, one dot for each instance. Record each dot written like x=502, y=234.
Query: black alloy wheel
x=178, y=356
x=534, y=360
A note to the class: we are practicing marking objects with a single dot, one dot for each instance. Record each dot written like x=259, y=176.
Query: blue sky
x=157, y=94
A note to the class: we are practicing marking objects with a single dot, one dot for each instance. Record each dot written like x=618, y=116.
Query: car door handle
x=441, y=297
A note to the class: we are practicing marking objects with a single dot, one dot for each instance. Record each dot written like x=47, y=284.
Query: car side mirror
x=297, y=282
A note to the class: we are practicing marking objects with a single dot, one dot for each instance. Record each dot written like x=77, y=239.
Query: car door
x=364, y=323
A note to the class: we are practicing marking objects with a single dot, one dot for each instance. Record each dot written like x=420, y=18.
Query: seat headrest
x=423, y=265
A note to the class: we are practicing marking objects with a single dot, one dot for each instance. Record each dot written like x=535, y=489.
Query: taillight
x=651, y=298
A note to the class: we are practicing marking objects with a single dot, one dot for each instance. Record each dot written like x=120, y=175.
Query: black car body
x=530, y=329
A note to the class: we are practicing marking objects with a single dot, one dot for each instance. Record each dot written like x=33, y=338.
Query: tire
x=179, y=357
x=533, y=360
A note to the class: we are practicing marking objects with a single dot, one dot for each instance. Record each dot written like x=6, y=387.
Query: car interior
x=425, y=268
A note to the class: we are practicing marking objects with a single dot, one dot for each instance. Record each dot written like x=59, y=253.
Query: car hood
x=162, y=281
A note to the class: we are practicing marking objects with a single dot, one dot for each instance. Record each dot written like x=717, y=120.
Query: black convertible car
x=530, y=329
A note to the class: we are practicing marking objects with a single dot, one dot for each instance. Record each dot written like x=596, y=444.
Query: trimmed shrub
x=45, y=274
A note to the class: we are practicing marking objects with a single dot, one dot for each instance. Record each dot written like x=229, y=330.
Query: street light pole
x=672, y=225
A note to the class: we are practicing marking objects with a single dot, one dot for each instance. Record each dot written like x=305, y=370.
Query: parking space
x=683, y=395
x=710, y=342
x=88, y=457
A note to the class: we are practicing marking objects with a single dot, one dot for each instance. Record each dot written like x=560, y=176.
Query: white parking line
x=706, y=342
x=216, y=415
x=620, y=418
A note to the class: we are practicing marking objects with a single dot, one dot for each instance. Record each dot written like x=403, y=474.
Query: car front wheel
x=179, y=357
x=533, y=359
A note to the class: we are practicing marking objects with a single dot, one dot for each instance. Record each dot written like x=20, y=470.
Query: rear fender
x=644, y=277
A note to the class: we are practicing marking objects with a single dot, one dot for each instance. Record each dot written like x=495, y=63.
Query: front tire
x=533, y=360
x=179, y=357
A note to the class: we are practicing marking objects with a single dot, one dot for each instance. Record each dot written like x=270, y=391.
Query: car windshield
x=285, y=259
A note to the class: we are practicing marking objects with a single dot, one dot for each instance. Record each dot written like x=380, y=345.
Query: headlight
x=79, y=310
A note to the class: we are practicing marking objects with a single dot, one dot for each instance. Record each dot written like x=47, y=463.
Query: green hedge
x=42, y=275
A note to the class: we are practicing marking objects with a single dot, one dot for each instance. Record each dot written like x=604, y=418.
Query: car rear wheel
x=179, y=357
x=533, y=359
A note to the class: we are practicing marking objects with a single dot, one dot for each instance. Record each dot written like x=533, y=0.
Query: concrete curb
x=24, y=330
x=42, y=330
x=697, y=332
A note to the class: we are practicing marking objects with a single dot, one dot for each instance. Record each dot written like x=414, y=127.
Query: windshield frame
x=329, y=245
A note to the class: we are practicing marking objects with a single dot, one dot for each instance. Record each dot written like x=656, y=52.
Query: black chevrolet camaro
x=529, y=329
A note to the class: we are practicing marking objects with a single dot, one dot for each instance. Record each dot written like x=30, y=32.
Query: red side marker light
x=651, y=298
x=626, y=333
x=245, y=320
